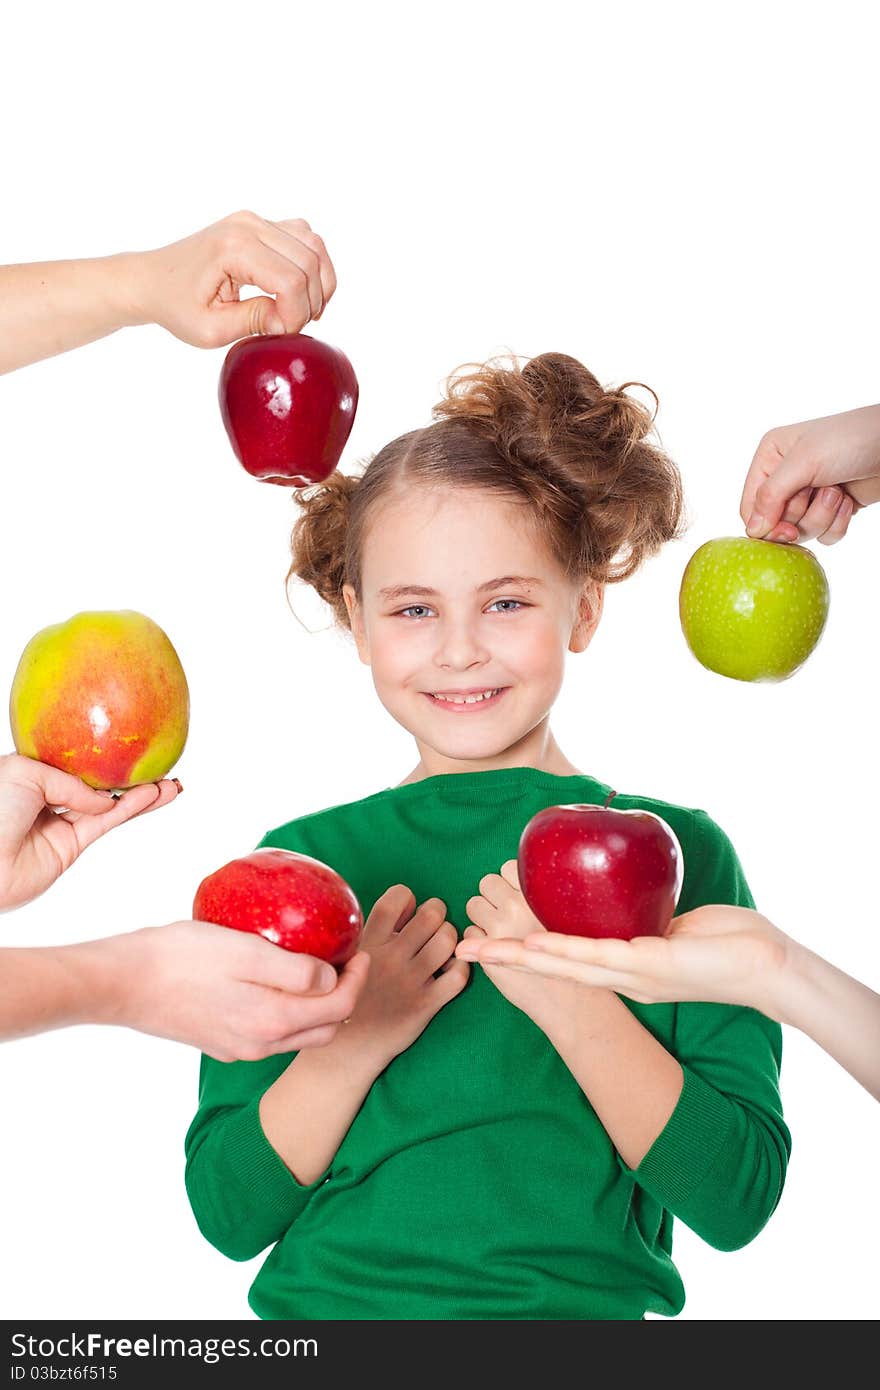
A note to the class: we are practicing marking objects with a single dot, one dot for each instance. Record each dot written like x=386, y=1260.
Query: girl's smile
x=467, y=702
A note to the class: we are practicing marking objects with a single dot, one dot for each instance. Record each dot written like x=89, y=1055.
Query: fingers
x=390, y=912
x=449, y=982
x=794, y=471
x=57, y=788
x=437, y=950
x=840, y=524
x=267, y=964
x=295, y=237
x=510, y=873
x=425, y=922
x=286, y=1017
x=299, y=1042
x=134, y=802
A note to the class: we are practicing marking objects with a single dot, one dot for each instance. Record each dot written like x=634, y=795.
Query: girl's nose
x=459, y=646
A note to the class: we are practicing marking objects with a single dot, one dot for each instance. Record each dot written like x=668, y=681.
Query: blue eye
x=515, y=601
x=421, y=608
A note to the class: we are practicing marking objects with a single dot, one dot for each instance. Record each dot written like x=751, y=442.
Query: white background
x=678, y=194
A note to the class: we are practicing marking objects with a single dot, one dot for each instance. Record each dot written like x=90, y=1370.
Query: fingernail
x=757, y=524
x=327, y=978
x=830, y=495
x=466, y=952
x=178, y=784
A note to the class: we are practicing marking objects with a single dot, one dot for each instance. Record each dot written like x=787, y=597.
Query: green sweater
x=476, y=1181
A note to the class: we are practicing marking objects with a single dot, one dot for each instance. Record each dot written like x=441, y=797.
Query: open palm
x=48, y=817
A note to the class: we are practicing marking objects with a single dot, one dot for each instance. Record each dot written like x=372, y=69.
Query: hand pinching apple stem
x=191, y=287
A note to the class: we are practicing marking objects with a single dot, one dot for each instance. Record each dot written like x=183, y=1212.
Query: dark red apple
x=596, y=871
x=288, y=403
x=291, y=899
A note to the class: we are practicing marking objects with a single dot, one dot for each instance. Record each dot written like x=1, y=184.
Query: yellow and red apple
x=104, y=696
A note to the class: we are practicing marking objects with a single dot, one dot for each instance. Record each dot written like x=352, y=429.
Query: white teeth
x=467, y=699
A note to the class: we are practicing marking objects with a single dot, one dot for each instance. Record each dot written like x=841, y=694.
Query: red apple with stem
x=288, y=402
x=597, y=871
x=291, y=899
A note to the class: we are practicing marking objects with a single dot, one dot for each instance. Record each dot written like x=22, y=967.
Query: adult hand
x=807, y=480
x=193, y=286
x=48, y=817
x=717, y=954
x=229, y=993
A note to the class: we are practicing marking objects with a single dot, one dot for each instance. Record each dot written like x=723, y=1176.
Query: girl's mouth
x=467, y=704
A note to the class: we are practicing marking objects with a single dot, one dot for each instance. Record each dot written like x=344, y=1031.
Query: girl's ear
x=590, y=603
x=356, y=619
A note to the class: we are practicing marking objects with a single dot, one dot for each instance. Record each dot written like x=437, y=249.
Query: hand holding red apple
x=38, y=842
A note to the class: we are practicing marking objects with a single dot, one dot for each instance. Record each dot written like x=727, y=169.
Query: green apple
x=752, y=609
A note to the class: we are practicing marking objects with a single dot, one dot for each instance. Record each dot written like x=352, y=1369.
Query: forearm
x=839, y=1013
x=45, y=987
x=629, y=1078
x=307, y=1112
x=49, y=307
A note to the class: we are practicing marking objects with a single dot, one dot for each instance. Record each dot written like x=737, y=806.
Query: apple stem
x=611, y=796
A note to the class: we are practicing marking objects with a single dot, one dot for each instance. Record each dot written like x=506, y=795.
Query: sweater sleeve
x=719, y=1164
x=243, y=1196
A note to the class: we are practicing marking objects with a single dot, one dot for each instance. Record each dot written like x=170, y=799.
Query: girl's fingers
x=424, y=924
x=437, y=951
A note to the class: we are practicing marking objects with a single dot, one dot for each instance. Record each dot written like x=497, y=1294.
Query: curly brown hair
x=603, y=497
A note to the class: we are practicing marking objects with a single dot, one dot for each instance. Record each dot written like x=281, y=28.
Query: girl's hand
x=500, y=911
x=407, y=947
x=229, y=993
x=193, y=286
x=807, y=480
x=48, y=817
x=716, y=954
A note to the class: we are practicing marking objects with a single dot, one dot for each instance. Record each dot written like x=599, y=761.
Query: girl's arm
x=629, y=1078
x=701, y=1131
x=266, y=1134
x=191, y=288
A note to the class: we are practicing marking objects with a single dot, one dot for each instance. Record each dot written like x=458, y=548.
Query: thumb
x=63, y=789
x=796, y=471
x=245, y=318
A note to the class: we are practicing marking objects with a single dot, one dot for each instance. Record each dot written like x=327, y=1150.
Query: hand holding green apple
x=807, y=480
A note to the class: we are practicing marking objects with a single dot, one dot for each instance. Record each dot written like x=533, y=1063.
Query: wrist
x=793, y=987
x=129, y=279
x=119, y=971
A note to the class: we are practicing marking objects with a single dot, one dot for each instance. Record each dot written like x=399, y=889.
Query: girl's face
x=460, y=599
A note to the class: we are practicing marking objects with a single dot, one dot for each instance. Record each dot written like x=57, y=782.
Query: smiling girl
x=507, y=1146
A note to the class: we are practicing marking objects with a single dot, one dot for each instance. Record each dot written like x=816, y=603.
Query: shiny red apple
x=597, y=871
x=291, y=899
x=288, y=402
